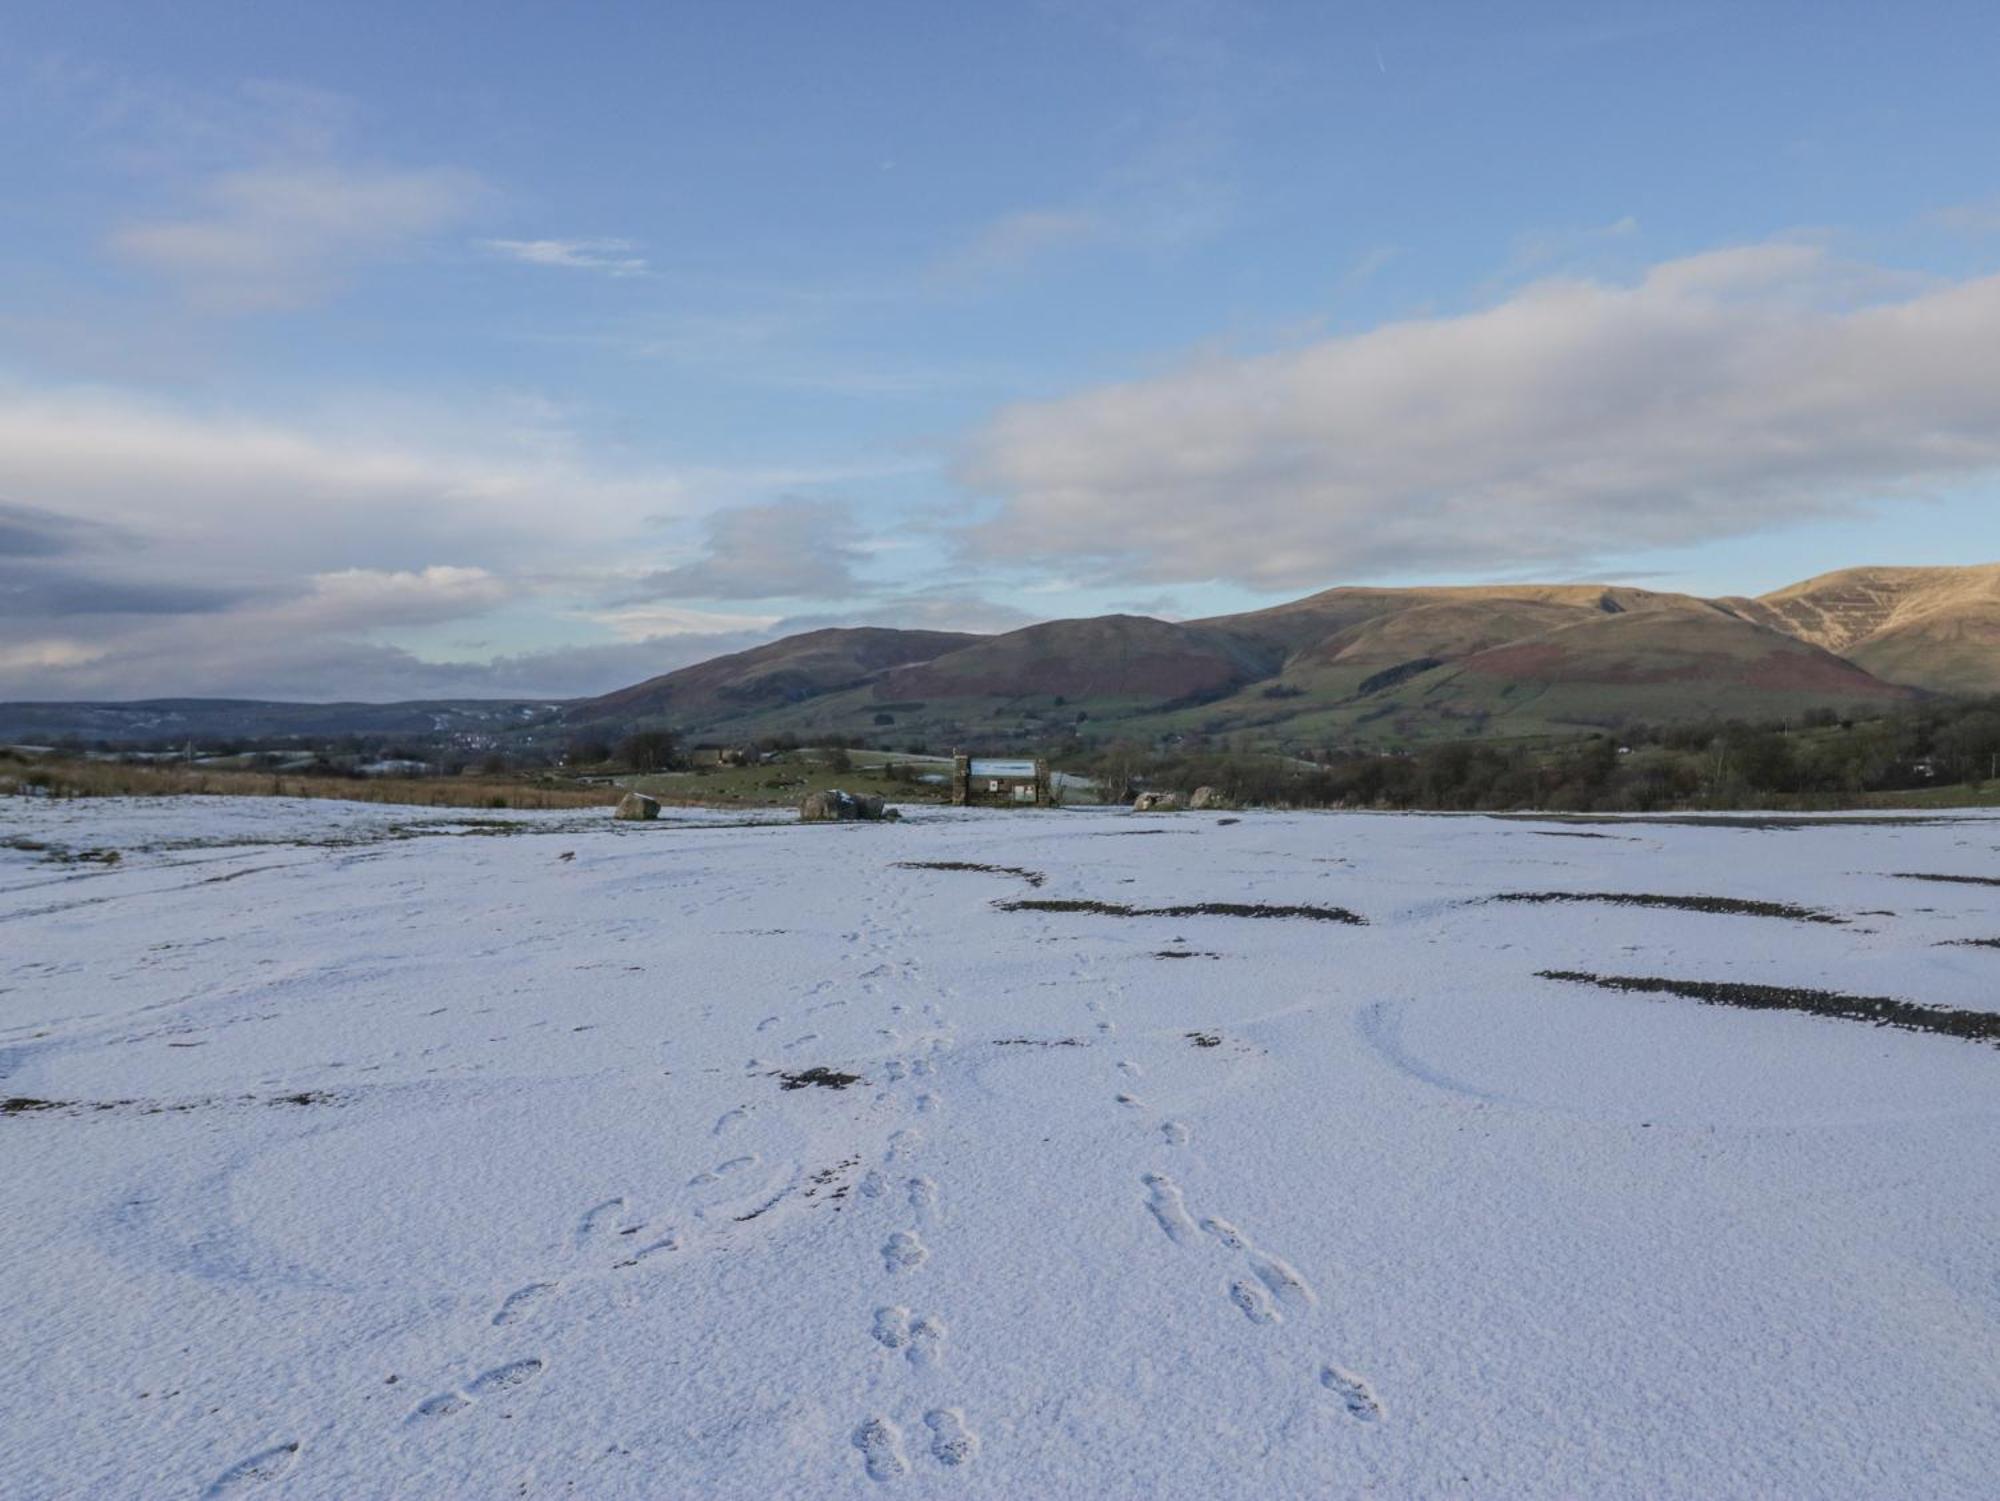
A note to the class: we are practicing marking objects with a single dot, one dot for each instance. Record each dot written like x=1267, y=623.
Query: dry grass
x=75, y=778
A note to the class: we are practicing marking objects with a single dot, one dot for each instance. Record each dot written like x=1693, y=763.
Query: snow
x=451, y=1155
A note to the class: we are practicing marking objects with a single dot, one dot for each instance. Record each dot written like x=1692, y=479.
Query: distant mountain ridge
x=1366, y=665
x=1353, y=666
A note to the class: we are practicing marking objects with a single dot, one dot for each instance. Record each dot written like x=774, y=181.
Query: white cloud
x=221, y=495
x=1718, y=395
x=371, y=598
x=940, y=608
x=49, y=652
x=214, y=554
x=233, y=658
x=795, y=548
x=647, y=622
x=281, y=236
x=612, y=257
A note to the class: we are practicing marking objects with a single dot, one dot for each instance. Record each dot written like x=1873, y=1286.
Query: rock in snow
x=636, y=805
x=835, y=806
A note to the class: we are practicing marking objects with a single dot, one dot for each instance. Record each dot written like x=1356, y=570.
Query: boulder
x=636, y=805
x=1157, y=802
x=835, y=806
x=1206, y=797
x=822, y=807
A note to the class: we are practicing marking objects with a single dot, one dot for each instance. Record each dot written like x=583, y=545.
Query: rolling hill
x=1381, y=667
x=1364, y=667
x=789, y=671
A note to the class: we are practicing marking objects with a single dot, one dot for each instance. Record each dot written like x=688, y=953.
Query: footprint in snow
x=519, y=1303
x=920, y=1341
x=923, y=1197
x=443, y=1405
x=728, y=1120
x=1254, y=1301
x=881, y=1444
x=1176, y=1133
x=1168, y=1207
x=670, y=1242
x=1130, y=1069
x=873, y=1184
x=892, y=1328
x=1354, y=1393
x=1286, y=1285
x=927, y=1341
x=903, y=1252
x=724, y=1169
x=499, y=1379
x=502, y=1378
x=600, y=1218
x=269, y=1465
x=952, y=1443
x=1225, y=1232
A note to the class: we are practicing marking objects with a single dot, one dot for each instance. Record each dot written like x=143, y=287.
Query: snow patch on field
x=355, y=1150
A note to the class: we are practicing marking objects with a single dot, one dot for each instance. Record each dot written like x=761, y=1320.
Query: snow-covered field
x=358, y=1152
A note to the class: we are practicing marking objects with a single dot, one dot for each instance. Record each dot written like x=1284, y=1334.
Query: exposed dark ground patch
x=1192, y=909
x=818, y=1078
x=1880, y=1011
x=1970, y=943
x=834, y=1176
x=237, y=875
x=22, y=1105
x=61, y=854
x=1917, y=875
x=27, y=1105
x=1204, y=1039
x=1724, y=905
x=1185, y=954
x=1039, y=1042
x=1737, y=820
x=1569, y=834
x=1032, y=877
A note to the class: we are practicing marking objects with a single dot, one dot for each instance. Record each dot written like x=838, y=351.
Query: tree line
x=1822, y=760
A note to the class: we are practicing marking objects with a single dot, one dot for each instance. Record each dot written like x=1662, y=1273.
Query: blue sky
x=395, y=351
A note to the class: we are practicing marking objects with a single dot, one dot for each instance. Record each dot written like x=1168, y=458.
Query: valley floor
x=355, y=1152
